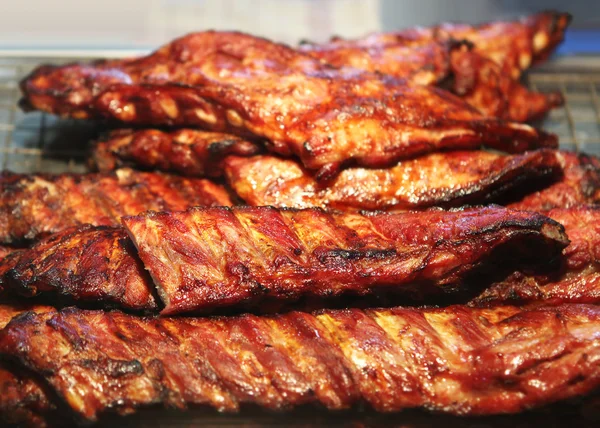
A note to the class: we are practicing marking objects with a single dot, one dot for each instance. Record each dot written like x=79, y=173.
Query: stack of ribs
x=364, y=223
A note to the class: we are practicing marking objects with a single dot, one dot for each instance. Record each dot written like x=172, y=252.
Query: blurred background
x=138, y=25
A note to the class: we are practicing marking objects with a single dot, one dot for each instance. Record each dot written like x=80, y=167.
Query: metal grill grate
x=42, y=142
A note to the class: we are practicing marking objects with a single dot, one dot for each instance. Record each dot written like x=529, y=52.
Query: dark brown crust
x=576, y=280
x=455, y=360
x=229, y=81
x=33, y=205
x=94, y=265
x=188, y=152
x=23, y=399
x=206, y=258
x=439, y=179
x=580, y=185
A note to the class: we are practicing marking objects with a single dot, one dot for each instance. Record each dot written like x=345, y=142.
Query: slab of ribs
x=363, y=225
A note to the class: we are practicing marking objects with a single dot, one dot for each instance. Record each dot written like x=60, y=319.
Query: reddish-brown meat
x=414, y=54
x=438, y=179
x=188, y=152
x=249, y=86
x=580, y=185
x=455, y=360
x=6, y=250
x=487, y=76
x=22, y=398
x=486, y=86
x=485, y=69
x=204, y=258
x=577, y=279
x=93, y=265
x=37, y=204
x=514, y=45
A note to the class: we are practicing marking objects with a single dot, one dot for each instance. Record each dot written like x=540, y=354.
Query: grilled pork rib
x=93, y=265
x=209, y=258
x=36, y=204
x=485, y=68
x=456, y=360
x=580, y=185
x=438, y=179
x=578, y=277
x=204, y=258
x=22, y=398
x=250, y=86
x=188, y=152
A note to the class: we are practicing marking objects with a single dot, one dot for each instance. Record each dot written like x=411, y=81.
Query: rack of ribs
x=248, y=86
x=577, y=275
x=33, y=205
x=189, y=152
x=208, y=258
x=23, y=399
x=484, y=63
x=87, y=265
x=456, y=360
x=438, y=179
x=580, y=185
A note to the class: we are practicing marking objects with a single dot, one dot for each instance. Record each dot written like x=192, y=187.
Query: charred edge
x=374, y=254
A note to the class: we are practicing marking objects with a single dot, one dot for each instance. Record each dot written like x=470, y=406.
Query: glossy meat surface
x=37, y=204
x=483, y=62
x=250, y=86
x=580, y=185
x=204, y=258
x=514, y=45
x=94, y=265
x=189, y=152
x=577, y=278
x=455, y=360
x=22, y=398
x=483, y=84
x=414, y=54
x=438, y=179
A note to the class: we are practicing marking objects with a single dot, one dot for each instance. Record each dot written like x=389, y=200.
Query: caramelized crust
x=250, y=86
x=486, y=86
x=204, y=258
x=94, y=265
x=189, y=152
x=514, y=45
x=485, y=62
x=579, y=185
x=22, y=398
x=439, y=179
x=36, y=204
x=414, y=54
x=578, y=277
x=456, y=360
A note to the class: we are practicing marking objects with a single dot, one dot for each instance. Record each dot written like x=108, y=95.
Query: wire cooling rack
x=41, y=142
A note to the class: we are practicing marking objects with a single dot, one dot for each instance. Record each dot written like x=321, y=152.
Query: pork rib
x=484, y=62
x=576, y=279
x=188, y=152
x=23, y=399
x=580, y=185
x=438, y=179
x=36, y=204
x=93, y=265
x=250, y=86
x=204, y=258
x=456, y=360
